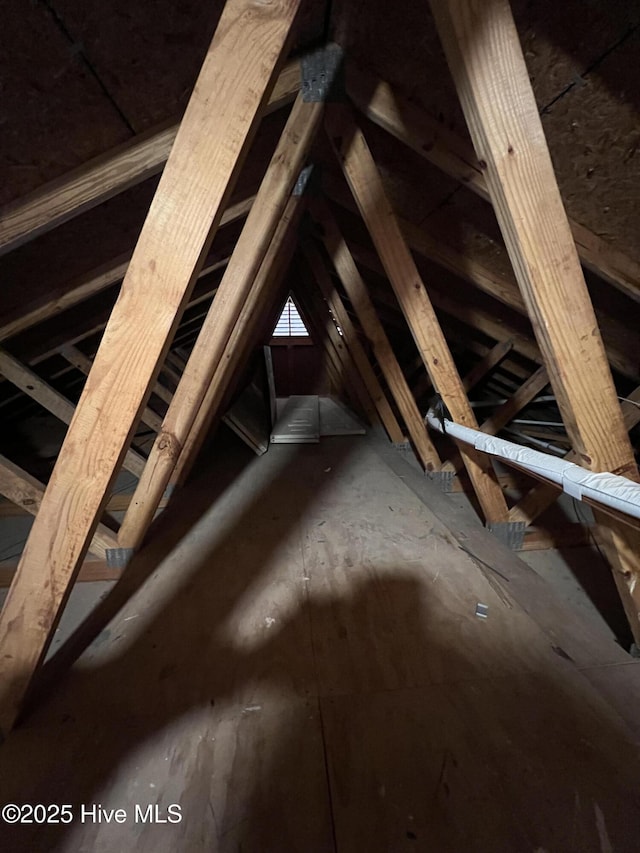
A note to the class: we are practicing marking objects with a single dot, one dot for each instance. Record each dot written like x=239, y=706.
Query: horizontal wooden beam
x=91, y=570
x=107, y=175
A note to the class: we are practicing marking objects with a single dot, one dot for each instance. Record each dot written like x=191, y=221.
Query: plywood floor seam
x=303, y=671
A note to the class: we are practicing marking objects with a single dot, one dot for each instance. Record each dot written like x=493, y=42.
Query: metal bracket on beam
x=307, y=181
x=511, y=533
x=168, y=491
x=443, y=479
x=402, y=446
x=322, y=73
x=118, y=558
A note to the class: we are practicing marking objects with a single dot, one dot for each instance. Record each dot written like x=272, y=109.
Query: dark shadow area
x=357, y=717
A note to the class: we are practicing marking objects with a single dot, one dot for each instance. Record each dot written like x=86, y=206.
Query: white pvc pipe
x=607, y=489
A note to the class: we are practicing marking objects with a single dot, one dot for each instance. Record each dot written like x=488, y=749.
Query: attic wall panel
x=592, y=127
x=54, y=114
x=149, y=55
x=594, y=133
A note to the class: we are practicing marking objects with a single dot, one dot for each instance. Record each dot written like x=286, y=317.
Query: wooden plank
x=231, y=297
x=525, y=394
x=362, y=304
x=487, y=364
x=360, y=358
x=362, y=175
x=107, y=175
x=402, y=118
x=198, y=179
x=25, y=492
x=485, y=57
x=53, y=401
x=477, y=373
x=90, y=571
x=254, y=325
x=83, y=363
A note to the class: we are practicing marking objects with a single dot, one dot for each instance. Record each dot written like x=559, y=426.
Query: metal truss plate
x=511, y=533
x=117, y=558
x=443, y=479
x=323, y=75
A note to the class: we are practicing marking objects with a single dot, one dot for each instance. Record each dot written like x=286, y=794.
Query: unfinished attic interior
x=320, y=393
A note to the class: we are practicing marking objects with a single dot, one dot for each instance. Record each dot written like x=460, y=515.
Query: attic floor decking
x=304, y=671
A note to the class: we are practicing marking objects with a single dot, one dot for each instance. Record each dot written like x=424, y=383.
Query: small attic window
x=290, y=324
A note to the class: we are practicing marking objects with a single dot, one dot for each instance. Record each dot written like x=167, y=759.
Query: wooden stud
x=26, y=492
x=53, y=401
x=83, y=363
x=323, y=280
x=362, y=175
x=484, y=53
x=525, y=394
x=358, y=295
x=248, y=331
x=232, y=294
x=198, y=179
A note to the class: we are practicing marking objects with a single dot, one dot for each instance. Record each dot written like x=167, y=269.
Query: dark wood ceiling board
x=148, y=55
x=594, y=138
x=54, y=113
x=560, y=41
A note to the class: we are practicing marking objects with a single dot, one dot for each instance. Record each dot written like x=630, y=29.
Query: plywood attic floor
x=303, y=670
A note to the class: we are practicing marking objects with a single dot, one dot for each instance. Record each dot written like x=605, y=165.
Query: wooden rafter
x=234, y=83
x=483, y=51
x=363, y=177
x=231, y=297
x=332, y=298
x=253, y=326
x=82, y=363
x=358, y=295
